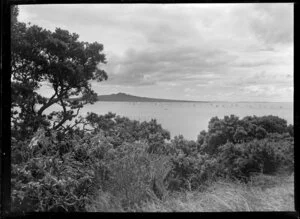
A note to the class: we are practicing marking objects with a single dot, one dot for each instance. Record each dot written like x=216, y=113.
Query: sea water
x=188, y=118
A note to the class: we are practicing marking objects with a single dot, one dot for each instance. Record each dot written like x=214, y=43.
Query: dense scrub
x=130, y=162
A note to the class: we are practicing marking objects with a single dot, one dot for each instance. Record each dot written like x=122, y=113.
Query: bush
x=130, y=162
x=265, y=156
x=272, y=124
x=191, y=169
x=56, y=175
x=235, y=130
x=283, y=145
x=57, y=171
x=122, y=129
x=60, y=186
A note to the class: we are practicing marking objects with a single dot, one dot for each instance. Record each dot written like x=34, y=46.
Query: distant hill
x=130, y=98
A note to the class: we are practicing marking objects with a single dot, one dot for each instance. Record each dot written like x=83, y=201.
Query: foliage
x=62, y=167
x=55, y=172
x=257, y=156
x=283, y=145
x=122, y=129
x=58, y=59
x=56, y=175
x=235, y=130
x=62, y=172
x=190, y=168
x=265, y=193
x=272, y=124
x=119, y=129
x=155, y=135
x=188, y=148
x=130, y=163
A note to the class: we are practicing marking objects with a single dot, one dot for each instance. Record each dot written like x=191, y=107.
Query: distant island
x=122, y=97
x=130, y=98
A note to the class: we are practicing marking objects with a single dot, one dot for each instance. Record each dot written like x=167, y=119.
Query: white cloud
x=208, y=48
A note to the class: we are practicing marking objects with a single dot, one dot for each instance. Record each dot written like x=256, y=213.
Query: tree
x=58, y=59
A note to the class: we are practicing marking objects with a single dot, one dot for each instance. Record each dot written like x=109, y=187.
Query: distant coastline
x=123, y=97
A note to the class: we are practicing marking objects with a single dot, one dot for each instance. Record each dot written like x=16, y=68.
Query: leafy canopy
x=57, y=59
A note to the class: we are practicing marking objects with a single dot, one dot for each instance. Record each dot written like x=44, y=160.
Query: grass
x=262, y=193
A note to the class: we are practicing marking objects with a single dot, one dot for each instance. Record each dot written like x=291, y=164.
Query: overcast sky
x=222, y=52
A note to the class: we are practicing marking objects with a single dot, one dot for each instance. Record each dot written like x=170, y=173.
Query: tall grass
x=135, y=177
x=262, y=193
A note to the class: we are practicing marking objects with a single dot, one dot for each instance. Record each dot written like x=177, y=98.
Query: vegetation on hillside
x=130, y=163
x=108, y=162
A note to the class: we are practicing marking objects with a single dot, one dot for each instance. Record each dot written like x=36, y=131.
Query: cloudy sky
x=222, y=52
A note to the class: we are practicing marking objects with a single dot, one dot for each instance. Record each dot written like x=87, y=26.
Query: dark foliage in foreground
x=133, y=162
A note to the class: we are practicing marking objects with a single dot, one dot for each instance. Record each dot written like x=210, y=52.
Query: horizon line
x=177, y=100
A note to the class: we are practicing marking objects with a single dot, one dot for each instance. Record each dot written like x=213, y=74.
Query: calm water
x=189, y=119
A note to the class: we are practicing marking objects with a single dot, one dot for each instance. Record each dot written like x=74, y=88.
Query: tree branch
x=53, y=100
x=66, y=115
x=48, y=104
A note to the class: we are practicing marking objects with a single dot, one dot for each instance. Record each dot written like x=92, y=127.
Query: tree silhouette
x=57, y=59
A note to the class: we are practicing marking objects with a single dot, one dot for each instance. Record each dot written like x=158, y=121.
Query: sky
x=205, y=52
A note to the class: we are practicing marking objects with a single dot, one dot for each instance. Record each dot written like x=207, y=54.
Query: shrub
x=235, y=130
x=154, y=135
x=122, y=129
x=59, y=186
x=130, y=162
x=272, y=124
x=265, y=156
x=191, y=169
x=56, y=175
x=57, y=171
x=283, y=145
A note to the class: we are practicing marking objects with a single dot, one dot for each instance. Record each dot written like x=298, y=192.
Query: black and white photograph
x=152, y=107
